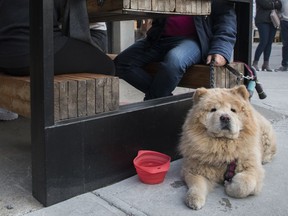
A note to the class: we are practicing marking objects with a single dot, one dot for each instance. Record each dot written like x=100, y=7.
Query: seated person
x=70, y=55
x=178, y=42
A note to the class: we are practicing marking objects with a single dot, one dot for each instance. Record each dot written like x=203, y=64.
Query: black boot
x=266, y=67
x=255, y=65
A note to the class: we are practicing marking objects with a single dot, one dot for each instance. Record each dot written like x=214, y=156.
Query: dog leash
x=252, y=80
x=212, y=73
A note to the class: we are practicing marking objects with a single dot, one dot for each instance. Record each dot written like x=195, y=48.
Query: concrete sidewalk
x=131, y=197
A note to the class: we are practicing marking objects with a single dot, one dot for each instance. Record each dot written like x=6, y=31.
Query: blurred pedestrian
x=284, y=36
x=266, y=31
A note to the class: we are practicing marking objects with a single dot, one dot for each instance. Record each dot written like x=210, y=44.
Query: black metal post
x=42, y=106
x=243, y=46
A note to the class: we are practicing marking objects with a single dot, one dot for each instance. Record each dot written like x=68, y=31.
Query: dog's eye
x=233, y=110
x=213, y=110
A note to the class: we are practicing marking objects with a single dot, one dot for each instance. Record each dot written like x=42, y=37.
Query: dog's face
x=222, y=112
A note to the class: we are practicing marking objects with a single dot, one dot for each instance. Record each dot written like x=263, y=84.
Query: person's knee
x=120, y=68
x=110, y=68
x=174, y=65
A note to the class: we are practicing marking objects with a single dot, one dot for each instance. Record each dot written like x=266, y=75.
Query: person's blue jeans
x=284, y=38
x=266, y=36
x=175, y=55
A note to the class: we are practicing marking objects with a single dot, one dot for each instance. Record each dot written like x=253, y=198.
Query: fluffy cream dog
x=224, y=140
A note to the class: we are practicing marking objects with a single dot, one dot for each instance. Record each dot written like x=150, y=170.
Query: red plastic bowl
x=151, y=166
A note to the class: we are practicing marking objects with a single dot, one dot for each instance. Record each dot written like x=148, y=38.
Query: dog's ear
x=241, y=90
x=198, y=94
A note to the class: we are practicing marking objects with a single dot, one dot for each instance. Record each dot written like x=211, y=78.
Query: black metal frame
x=75, y=156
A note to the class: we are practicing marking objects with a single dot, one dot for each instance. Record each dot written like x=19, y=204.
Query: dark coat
x=14, y=32
x=216, y=32
x=263, y=10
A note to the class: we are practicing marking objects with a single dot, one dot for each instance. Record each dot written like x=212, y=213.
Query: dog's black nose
x=225, y=118
x=225, y=122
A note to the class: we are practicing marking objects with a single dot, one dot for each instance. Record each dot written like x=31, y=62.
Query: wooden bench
x=75, y=95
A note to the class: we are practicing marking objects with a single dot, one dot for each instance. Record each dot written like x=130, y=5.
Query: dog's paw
x=241, y=186
x=194, y=201
x=267, y=158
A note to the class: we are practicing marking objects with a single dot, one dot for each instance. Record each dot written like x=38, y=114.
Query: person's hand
x=219, y=60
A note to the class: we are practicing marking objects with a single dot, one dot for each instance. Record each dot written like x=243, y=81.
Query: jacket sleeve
x=224, y=28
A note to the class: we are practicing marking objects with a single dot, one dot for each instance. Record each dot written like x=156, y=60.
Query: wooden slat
x=56, y=101
x=142, y=5
x=63, y=99
x=115, y=96
x=99, y=98
x=90, y=94
x=81, y=94
x=72, y=99
x=199, y=7
x=107, y=89
x=68, y=104
x=163, y=5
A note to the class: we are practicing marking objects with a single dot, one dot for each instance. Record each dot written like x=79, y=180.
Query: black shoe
x=282, y=68
x=256, y=67
x=6, y=115
x=267, y=68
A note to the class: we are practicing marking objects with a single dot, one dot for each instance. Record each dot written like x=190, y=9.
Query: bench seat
x=75, y=95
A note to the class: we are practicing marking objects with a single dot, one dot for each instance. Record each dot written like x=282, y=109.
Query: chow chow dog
x=224, y=140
